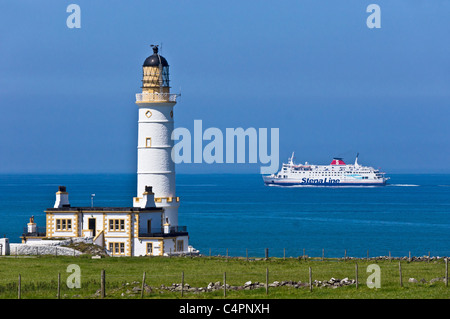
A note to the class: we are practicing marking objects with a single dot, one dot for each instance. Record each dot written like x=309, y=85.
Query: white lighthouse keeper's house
x=150, y=226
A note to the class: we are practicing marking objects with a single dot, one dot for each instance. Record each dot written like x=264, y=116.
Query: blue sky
x=313, y=69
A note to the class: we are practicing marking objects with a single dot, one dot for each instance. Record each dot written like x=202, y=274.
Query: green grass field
x=39, y=277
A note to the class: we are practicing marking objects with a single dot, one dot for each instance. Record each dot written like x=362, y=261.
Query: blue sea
x=238, y=213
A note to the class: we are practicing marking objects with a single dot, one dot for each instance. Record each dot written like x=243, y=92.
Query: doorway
x=149, y=226
x=91, y=225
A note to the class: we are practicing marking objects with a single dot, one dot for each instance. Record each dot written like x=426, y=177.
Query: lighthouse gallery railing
x=160, y=232
x=156, y=97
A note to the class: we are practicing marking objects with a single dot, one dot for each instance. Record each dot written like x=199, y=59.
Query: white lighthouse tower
x=155, y=166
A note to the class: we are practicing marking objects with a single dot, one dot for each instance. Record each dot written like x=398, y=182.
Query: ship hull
x=271, y=181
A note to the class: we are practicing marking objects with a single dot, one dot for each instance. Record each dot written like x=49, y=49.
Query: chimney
x=166, y=226
x=148, y=198
x=31, y=226
x=62, y=198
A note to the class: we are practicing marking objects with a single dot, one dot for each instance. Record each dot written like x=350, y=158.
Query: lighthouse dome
x=155, y=59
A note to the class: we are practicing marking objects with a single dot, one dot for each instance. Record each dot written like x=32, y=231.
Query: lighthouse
x=150, y=227
x=155, y=166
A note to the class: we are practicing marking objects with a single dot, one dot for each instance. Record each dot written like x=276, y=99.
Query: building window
x=117, y=248
x=148, y=142
x=117, y=225
x=64, y=224
x=149, y=248
x=180, y=245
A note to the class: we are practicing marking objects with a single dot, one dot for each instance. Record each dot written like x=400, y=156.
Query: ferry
x=337, y=173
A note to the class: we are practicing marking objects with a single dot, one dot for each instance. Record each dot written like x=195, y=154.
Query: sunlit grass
x=39, y=277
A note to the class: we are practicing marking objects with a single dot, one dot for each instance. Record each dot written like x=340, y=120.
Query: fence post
x=345, y=255
x=227, y=254
x=390, y=256
x=224, y=284
x=310, y=279
x=446, y=272
x=267, y=280
x=367, y=255
x=267, y=253
x=19, y=292
x=102, y=284
x=246, y=254
x=400, y=271
x=323, y=253
x=58, y=294
x=182, y=283
x=284, y=253
x=143, y=285
x=409, y=258
x=304, y=256
x=356, y=274
x=210, y=252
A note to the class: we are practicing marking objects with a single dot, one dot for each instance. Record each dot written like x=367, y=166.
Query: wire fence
x=320, y=253
x=253, y=253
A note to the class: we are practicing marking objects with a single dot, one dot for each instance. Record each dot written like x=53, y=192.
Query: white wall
x=140, y=247
x=154, y=217
x=4, y=242
x=155, y=165
x=84, y=225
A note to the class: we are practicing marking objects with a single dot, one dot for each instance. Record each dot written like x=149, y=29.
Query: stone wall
x=48, y=247
x=56, y=250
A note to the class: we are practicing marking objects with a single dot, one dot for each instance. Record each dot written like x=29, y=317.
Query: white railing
x=156, y=97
